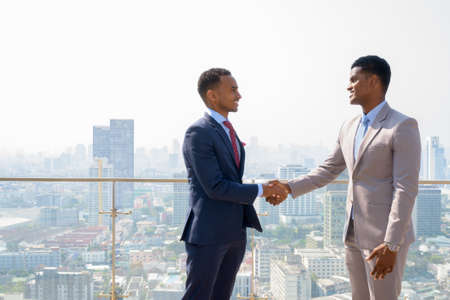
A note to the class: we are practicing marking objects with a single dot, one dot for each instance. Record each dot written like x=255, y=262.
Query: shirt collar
x=371, y=115
x=216, y=116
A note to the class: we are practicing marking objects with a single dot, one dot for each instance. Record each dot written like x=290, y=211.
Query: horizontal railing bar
x=95, y=179
x=151, y=180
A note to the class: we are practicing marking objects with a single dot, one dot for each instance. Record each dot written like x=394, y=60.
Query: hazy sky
x=66, y=66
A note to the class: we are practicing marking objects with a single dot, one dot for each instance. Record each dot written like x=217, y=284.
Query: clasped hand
x=275, y=191
x=384, y=261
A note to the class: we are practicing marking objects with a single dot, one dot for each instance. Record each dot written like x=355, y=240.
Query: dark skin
x=368, y=91
x=384, y=263
x=365, y=89
x=224, y=98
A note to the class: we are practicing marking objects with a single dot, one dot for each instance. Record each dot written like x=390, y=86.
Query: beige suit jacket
x=383, y=180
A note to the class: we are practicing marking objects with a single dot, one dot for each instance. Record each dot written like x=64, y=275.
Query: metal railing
x=114, y=212
x=152, y=180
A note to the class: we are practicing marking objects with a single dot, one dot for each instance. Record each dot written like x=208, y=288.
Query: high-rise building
x=323, y=287
x=264, y=251
x=48, y=216
x=116, y=143
x=122, y=159
x=291, y=171
x=289, y=281
x=180, y=202
x=334, y=205
x=67, y=217
x=101, y=146
x=242, y=285
x=53, y=285
x=324, y=263
x=142, y=161
x=30, y=260
x=175, y=155
x=434, y=162
x=94, y=257
x=334, y=218
x=100, y=193
x=54, y=216
x=427, y=211
x=304, y=205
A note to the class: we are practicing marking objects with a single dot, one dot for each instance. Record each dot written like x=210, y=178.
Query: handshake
x=275, y=192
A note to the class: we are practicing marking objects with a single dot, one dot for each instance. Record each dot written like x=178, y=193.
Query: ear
x=374, y=81
x=211, y=97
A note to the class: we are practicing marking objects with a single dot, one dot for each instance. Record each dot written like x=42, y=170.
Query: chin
x=354, y=101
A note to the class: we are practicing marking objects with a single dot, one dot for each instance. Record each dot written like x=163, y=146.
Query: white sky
x=66, y=66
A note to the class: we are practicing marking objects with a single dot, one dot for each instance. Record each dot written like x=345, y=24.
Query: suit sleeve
x=322, y=175
x=406, y=168
x=199, y=151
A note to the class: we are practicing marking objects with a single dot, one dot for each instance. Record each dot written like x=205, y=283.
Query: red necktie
x=233, y=141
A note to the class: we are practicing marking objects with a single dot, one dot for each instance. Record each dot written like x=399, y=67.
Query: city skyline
x=62, y=75
x=115, y=143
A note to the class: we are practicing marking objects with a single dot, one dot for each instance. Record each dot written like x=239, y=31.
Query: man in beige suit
x=381, y=150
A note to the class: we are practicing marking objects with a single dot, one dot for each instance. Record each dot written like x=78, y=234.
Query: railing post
x=113, y=248
x=114, y=213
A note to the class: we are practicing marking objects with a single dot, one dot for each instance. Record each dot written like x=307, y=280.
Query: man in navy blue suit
x=221, y=206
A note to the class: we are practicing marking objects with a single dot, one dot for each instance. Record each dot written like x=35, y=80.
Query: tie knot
x=228, y=125
x=366, y=121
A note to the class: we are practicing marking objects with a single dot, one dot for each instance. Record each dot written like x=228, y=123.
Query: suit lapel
x=221, y=132
x=352, y=135
x=372, y=131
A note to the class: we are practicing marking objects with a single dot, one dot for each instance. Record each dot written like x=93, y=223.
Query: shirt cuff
x=260, y=190
x=392, y=247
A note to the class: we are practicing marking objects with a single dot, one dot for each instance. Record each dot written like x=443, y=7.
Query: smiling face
x=224, y=97
x=360, y=86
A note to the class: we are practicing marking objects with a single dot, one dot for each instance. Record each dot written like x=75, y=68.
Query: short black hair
x=375, y=65
x=209, y=79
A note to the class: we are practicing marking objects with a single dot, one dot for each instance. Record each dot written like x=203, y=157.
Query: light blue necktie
x=362, y=129
x=366, y=121
x=360, y=134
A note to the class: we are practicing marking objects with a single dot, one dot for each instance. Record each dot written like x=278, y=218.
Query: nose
x=349, y=87
x=238, y=95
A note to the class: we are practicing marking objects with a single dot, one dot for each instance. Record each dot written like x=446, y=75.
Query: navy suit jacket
x=220, y=206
